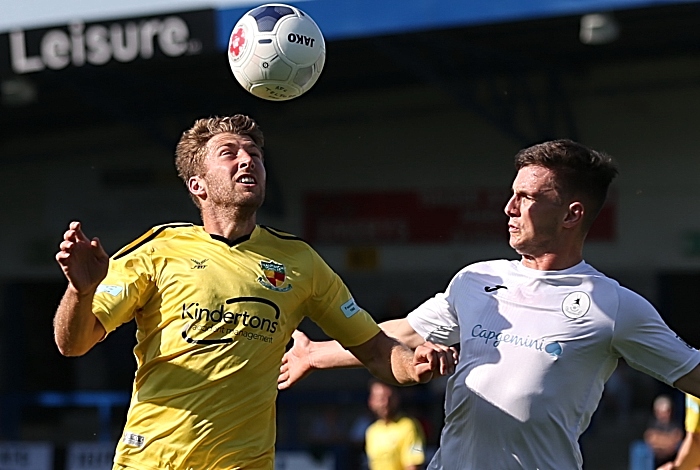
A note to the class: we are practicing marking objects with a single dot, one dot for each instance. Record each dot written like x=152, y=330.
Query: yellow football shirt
x=394, y=445
x=692, y=413
x=213, y=319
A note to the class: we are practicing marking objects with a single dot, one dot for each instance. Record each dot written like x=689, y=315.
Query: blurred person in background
x=395, y=441
x=688, y=456
x=215, y=306
x=662, y=434
x=539, y=336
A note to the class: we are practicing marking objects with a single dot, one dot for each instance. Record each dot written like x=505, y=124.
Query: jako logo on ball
x=276, y=52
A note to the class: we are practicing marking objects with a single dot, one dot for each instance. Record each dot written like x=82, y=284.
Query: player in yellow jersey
x=215, y=306
x=394, y=441
x=688, y=457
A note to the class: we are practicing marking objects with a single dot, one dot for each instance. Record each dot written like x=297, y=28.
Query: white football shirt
x=536, y=348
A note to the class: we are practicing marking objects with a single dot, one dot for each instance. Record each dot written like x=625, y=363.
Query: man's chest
x=532, y=321
x=217, y=299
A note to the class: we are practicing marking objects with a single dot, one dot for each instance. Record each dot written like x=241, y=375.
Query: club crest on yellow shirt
x=273, y=276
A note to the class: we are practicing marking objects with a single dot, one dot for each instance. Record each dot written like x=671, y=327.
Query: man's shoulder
x=274, y=240
x=169, y=230
x=492, y=271
x=693, y=402
x=490, y=267
x=274, y=233
x=374, y=427
x=157, y=233
x=408, y=421
x=602, y=282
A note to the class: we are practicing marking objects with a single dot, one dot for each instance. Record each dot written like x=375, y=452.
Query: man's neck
x=229, y=227
x=551, y=261
x=391, y=418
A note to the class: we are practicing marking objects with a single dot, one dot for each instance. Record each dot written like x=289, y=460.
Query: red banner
x=418, y=217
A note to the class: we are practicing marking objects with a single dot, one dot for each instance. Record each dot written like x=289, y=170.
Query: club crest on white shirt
x=576, y=305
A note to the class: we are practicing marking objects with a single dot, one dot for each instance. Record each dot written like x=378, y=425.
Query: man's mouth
x=246, y=179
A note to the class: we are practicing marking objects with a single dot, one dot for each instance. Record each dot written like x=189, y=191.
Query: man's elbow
x=71, y=348
x=69, y=351
x=695, y=438
x=72, y=343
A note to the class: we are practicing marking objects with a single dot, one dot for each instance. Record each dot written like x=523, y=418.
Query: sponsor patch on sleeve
x=350, y=308
x=109, y=289
x=132, y=439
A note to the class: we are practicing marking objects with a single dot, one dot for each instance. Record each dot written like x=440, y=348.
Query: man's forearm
x=331, y=355
x=402, y=366
x=387, y=359
x=76, y=329
x=395, y=365
x=689, y=453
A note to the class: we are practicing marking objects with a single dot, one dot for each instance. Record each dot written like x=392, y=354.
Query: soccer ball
x=276, y=52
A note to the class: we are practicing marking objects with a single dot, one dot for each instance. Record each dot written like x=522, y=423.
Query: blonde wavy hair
x=192, y=147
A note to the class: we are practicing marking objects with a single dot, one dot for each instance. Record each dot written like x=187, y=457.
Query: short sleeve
x=692, y=413
x=126, y=288
x=436, y=318
x=332, y=307
x=413, y=444
x=646, y=343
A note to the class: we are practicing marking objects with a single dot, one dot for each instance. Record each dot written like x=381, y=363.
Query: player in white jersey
x=538, y=336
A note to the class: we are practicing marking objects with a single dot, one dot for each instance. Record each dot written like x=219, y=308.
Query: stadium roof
x=339, y=19
x=466, y=47
x=343, y=19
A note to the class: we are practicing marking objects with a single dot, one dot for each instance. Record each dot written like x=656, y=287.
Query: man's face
x=382, y=401
x=234, y=172
x=536, y=212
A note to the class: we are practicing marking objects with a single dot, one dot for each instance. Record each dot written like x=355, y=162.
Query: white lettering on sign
x=97, y=44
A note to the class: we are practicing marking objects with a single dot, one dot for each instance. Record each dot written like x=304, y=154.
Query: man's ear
x=197, y=187
x=574, y=215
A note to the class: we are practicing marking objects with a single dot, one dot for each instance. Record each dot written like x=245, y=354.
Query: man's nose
x=510, y=209
x=246, y=162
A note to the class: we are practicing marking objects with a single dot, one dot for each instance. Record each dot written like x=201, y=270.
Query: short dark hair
x=579, y=171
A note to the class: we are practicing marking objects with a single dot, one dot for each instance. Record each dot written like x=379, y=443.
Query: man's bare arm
x=84, y=263
x=395, y=363
x=76, y=328
x=306, y=356
x=688, y=457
